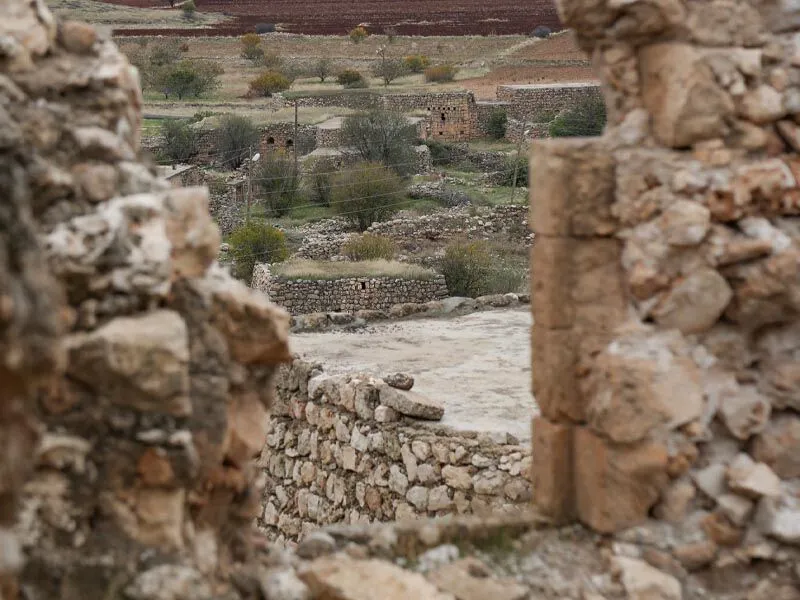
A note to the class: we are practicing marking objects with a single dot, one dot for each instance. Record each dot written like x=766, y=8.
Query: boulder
x=411, y=404
x=401, y=381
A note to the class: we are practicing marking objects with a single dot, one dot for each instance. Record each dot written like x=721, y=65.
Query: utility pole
x=296, y=141
x=249, y=183
x=525, y=132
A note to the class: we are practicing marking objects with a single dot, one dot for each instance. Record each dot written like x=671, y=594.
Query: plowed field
x=407, y=17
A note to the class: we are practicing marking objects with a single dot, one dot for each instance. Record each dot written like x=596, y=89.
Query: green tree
x=236, y=136
x=350, y=79
x=382, y=136
x=268, y=83
x=254, y=243
x=389, y=69
x=366, y=193
x=278, y=183
x=318, y=181
x=587, y=118
x=180, y=140
x=187, y=78
x=189, y=10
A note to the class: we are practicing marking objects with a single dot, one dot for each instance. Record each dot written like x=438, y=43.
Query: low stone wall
x=515, y=130
x=300, y=296
x=528, y=102
x=483, y=112
x=344, y=449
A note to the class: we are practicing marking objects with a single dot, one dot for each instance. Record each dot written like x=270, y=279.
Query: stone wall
x=483, y=112
x=147, y=368
x=529, y=102
x=665, y=281
x=282, y=137
x=300, y=296
x=350, y=449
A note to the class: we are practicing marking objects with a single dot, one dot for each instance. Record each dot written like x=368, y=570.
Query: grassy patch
x=326, y=270
x=122, y=17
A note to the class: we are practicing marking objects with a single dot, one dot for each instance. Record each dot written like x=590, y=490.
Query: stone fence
x=351, y=449
x=529, y=102
x=303, y=296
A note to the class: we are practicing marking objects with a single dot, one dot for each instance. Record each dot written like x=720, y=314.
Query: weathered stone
x=615, y=486
x=316, y=544
x=643, y=582
x=469, y=579
x=778, y=446
x=696, y=555
x=695, y=303
x=736, y=508
x=711, y=480
x=752, y=479
x=139, y=361
x=675, y=502
x=779, y=517
x=745, y=412
x=411, y=404
x=283, y=584
x=169, y=582
x=347, y=579
x=552, y=471
x=418, y=496
x=685, y=223
x=457, y=477
x=439, y=498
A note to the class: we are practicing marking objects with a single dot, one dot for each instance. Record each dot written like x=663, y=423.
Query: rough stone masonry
x=666, y=286
x=136, y=375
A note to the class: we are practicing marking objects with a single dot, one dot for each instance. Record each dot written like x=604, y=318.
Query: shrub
x=441, y=154
x=250, y=40
x=184, y=47
x=322, y=69
x=265, y=28
x=268, y=83
x=254, y=243
x=383, y=137
x=235, y=137
x=515, y=164
x=187, y=78
x=417, y=63
x=587, y=118
x=368, y=246
x=440, y=73
x=366, y=193
x=272, y=61
x=164, y=52
x=318, y=183
x=466, y=267
x=498, y=119
x=358, y=34
x=389, y=70
x=189, y=9
x=253, y=53
x=350, y=78
x=541, y=32
x=180, y=140
x=278, y=183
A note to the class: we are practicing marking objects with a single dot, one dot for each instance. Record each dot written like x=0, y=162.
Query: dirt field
x=478, y=364
x=407, y=17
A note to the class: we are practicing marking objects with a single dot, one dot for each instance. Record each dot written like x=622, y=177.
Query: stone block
x=552, y=470
x=577, y=283
x=616, y=485
x=574, y=188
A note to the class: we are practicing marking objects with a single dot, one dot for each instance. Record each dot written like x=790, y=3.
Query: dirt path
x=478, y=364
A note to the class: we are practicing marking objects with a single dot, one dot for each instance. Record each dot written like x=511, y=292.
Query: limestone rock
x=169, y=582
x=752, y=479
x=341, y=578
x=457, y=477
x=141, y=361
x=779, y=517
x=685, y=223
x=643, y=582
x=283, y=584
x=762, y=105
x=316, y=544
x=745, y=412
x=695, y=303
x=470, y=579
x=737, y=508
x=411, y=404
x=778, y=446
x=401, y=381
x=711, y=480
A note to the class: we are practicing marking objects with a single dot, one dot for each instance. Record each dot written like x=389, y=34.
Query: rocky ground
x=477, y=364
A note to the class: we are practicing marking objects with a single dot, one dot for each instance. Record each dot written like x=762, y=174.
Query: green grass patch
x=327, y=270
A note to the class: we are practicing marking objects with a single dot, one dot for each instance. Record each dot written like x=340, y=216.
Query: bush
x=441, y=154
x=389, y=70
x=519, y=165
x=586, y=119
x=278, y=184
x=318, y=183
x=368, y=246
x=272, y=61
x=417, y=63
x=498, y=119
x=235, y=138
x=164, y=52
x=265, y=28
x=187, y=78
x=184, y=47
x=251, y=47
x=383, y=137
x=189, y=9
x=180, y=140
x=268, y=83
x=322, y=69
x=440, y=73
x=367, y=193
x=255, y=243
x=358, y=35
x=475, y=268
x=541, y=32
x=350, y=78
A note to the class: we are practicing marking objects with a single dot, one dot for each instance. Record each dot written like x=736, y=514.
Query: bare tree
x=323, y=69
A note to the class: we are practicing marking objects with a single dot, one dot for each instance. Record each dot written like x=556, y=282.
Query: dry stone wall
x=665, y=278
x=302, y=296
x=148, y=369
x=530, y=102
x=350, y=449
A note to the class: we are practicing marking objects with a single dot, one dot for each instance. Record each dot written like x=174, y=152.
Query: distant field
x=160, y=17
x=407, y=17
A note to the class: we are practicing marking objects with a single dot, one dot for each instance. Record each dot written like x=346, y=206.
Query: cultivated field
x=407, y=17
